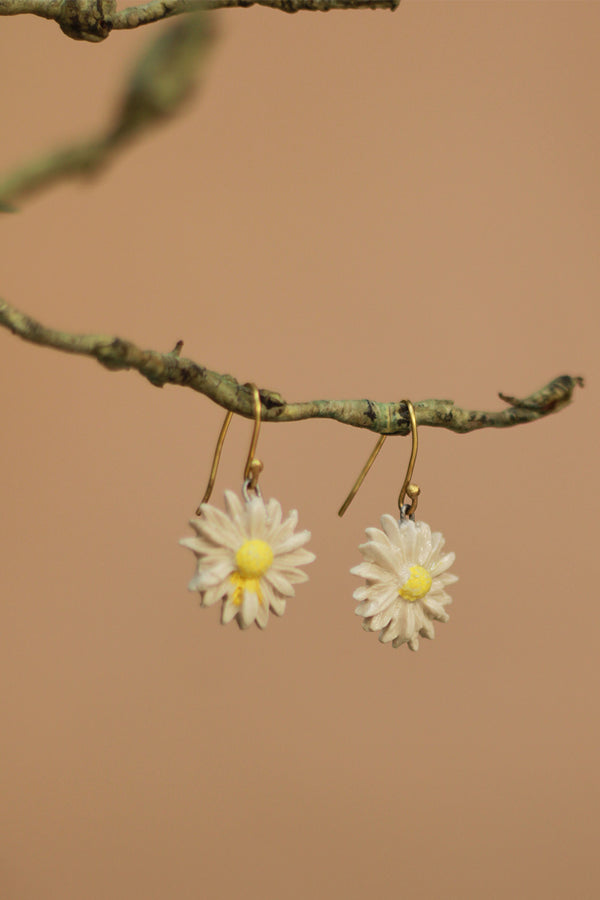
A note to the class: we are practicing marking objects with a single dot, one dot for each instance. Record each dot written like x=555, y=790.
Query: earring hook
x=408, y=489
x=253, y=466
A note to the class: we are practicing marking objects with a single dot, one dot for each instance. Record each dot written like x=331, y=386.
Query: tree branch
x=382, y=417
x=161, y=9
x=49, y=9
x=93, y=20
x=159, y=84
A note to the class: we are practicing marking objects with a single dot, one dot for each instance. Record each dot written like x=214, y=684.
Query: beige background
x=355, y=205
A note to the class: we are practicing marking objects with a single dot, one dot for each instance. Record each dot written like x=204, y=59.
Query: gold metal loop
x=253, y=466
x=408, y=489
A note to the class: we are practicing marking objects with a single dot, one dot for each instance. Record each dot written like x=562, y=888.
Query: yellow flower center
x=415, y=587
x=252, y=560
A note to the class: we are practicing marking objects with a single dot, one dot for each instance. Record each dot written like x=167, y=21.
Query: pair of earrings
x=249, y=557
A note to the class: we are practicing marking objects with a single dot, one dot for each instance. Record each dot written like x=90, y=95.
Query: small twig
x=160, y=83
x=382, y=417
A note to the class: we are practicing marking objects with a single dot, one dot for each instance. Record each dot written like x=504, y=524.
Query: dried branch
x=93, y=20
x=383, y=417
x=160, y=83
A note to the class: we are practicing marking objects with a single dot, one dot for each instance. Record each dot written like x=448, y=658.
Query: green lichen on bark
x=382, y=417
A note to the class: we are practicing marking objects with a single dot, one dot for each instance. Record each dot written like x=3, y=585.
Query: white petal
x=435, y=610
x=289, y=526
x=229, y=611
x=262, y=613
x=394, y=628
x=369, y=608
x=196, y=524
x=442, y=581
x=437, y=542
x=235, y=511
x=440, y=597
x=401, y=639
x=411, y=630
x=209, y=576
x=371, y=571
x=408, y=535
x=291, y=543
x=382, y=618
x=414, y=643
x=279, y=582
x=376, y=592
x=427, y=630
x=193, y=583
x=278, y=604
x=380, y=555
x=404, y=627
x=267, y=592
x=248, y=609
x=213, y=595
x=216, y=556
x=442, y=564
x=207, y=542
x=392, y=529
x=255, y=518
x=274, y=516
x=374, y=534
x=215, y=526
x=292, y=575
x=193, y=543
x=361, y=593
x=424, y=542
x=299, y=557
x=366, y=624
x=401, y=619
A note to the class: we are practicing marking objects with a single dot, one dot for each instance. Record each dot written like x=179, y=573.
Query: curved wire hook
x=412, y=490
x=253, y=466
x=408, y=489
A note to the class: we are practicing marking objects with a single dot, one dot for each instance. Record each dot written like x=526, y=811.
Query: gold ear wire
x=362, y=475
x=408, y=489
x=253, y=466
x=215, y=462
x=412, y=490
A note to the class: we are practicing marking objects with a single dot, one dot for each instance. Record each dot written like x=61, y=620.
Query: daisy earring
x=248, y=557
x=404, y=567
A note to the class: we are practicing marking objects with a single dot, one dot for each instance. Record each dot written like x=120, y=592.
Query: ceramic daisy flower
x=248, y=557
x=406, y=574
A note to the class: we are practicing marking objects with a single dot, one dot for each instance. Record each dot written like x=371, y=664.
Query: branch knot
x=87, y=20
